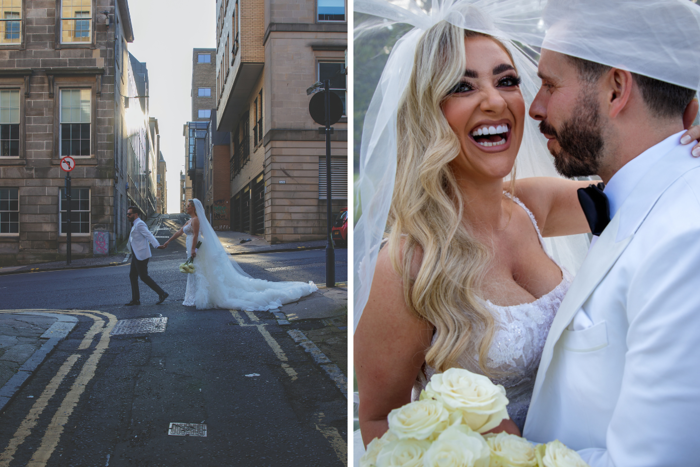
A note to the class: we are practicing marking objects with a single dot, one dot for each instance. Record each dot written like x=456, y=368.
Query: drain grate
x=139, y=326
x=188, y=429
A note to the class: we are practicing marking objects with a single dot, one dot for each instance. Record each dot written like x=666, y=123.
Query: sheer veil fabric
x=220, y=282
x=519, y=25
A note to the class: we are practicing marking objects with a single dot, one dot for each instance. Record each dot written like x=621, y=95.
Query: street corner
x=325, y=303
x=26, y=339
x=318, y=323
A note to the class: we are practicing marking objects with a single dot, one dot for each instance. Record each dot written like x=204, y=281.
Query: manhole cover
x=139, y=326
x=188, y=429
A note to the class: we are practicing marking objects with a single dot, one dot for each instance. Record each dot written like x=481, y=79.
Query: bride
x=466, y=278
x=219, y=282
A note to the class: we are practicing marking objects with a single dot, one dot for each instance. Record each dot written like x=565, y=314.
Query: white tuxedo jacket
x=139, y=238
x=626, y=390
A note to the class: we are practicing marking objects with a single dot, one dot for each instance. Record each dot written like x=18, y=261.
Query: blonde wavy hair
x=427, y=207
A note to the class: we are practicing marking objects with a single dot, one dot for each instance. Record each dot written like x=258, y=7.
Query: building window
x=76, y=20
x=9, y=211
x=225, y=61
x=258, y=128
x=335, y=72
x=331, y=10
x=234, y=31
x=10, y=21
x=9, y=123
x=80, y=211
x=339, y=178
x=204, y=58
x=202, y=113
x=204, y=92
x=75, y=122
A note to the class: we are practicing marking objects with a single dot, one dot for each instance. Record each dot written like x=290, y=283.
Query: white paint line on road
x=279, y=353
x=319, y=357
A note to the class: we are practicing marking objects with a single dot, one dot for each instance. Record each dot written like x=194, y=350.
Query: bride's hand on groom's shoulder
x=693, y=133
x=508, y=426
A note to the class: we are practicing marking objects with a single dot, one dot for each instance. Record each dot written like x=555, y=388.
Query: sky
x=165, y=32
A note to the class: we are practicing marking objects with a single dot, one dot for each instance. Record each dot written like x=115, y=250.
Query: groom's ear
x=690, y=113
x=618, y=89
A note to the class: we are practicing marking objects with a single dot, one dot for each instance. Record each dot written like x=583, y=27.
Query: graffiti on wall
x=220, y=210
x=100, y=243
x=220, y=213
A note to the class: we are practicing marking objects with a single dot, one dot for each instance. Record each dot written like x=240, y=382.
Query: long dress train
x=218, y=282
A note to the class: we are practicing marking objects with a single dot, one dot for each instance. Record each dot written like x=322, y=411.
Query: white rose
x=511, y=451
x=403, y=453
x=458, y=446
x=555, y=454
x=369, y=458
x=419, y=420
x=482, y=403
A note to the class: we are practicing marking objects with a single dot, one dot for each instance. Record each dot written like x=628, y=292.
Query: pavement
x=317, y=322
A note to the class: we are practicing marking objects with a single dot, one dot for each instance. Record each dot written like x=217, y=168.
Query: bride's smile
x=486, y=111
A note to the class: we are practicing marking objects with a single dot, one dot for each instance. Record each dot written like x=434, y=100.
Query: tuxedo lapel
x=612, y=244
x=600, y=259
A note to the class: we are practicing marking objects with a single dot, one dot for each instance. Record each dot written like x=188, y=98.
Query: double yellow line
x=53, y=433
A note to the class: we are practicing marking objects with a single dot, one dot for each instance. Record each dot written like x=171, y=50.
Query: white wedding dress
x=517, y=343
x=218, y=282
x=516, y=348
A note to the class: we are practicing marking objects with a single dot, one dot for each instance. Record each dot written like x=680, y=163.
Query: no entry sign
x=67, y=163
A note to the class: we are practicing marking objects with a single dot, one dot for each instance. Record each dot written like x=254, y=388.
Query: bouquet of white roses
x=445, y=428
x=187, y=267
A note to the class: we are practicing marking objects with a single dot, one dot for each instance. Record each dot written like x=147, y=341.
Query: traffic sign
x=67, y=164
x=317, y=108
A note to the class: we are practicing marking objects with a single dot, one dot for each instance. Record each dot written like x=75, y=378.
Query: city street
x=259, y=389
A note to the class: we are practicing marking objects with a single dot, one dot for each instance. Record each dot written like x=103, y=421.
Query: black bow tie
x=595, y=206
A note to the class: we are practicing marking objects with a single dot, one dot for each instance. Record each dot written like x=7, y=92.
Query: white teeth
x=488, y=144
x=490, y=130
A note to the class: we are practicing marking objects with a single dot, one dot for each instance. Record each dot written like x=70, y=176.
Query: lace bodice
x=517, y=343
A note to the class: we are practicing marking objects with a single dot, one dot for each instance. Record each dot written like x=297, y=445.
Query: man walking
x=139, y=238
x=618, y=379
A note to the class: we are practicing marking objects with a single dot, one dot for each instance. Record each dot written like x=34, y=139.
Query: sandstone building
x=269, y=52
x=64, y=88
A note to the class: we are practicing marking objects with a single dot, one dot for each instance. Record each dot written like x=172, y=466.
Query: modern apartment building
x=202, y=93
x=64, y=91
x=269, y=52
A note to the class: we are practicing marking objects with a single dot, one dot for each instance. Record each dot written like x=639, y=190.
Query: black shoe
x=133, y=303
x=161, y=298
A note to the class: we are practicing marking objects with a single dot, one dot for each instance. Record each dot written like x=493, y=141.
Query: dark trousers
x=140, y=269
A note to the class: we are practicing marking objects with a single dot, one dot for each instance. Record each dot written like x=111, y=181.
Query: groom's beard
x=580, y=139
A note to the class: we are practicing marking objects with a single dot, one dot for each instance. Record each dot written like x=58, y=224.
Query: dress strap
x=532, y=217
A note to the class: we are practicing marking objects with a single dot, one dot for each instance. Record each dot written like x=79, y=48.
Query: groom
x=139, y=238
x=619, y=378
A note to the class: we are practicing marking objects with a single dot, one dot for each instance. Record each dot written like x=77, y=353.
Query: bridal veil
x=519, y=25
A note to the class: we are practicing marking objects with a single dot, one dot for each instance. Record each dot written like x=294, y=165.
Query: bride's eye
x=509, y=81
x=461, y=87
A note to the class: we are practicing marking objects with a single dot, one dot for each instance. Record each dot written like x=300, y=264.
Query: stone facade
x=282, y=48
x=66, y=80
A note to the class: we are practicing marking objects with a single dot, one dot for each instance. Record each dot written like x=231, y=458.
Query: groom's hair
x=663, y=99
x=135, y=209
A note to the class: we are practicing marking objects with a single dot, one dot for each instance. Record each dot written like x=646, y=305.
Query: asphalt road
x=108, y=400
